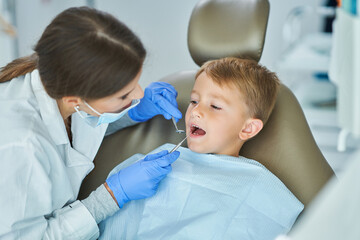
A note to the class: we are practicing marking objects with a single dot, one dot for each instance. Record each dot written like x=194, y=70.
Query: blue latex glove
x=159, y=98
x=141, y=179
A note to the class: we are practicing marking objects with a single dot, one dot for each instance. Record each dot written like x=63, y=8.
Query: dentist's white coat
x=40, y=172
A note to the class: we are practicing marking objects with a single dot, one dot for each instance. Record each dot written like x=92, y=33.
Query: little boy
x=212, y=192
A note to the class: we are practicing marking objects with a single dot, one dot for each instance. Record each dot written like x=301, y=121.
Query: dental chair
x=221, y=28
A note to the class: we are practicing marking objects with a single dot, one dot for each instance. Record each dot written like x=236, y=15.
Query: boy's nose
x=197, y=112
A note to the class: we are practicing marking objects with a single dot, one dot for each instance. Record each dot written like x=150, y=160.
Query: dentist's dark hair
x=83, y=52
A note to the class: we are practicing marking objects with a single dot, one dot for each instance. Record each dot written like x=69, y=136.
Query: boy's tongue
x=199, y=131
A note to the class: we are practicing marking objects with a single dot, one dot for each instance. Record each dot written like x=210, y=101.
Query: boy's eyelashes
x=193, y=102
x=216, y=107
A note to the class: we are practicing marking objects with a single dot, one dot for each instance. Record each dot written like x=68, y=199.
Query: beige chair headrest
x=224, y=28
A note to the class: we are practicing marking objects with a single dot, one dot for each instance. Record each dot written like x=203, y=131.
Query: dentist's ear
x=250, y=129
x=71, y=101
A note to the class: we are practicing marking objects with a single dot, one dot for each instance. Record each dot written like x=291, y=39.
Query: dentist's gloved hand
x=159, y=98
x=141, y=179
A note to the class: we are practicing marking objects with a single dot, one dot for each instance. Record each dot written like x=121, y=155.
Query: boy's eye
x=193, y=102
x=216, y=107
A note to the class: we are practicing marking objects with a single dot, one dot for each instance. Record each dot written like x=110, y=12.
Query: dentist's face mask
x=105, y=117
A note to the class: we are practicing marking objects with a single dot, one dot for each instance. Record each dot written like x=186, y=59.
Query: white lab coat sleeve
x=31, y=204
x=66, y=225
x=123, y=122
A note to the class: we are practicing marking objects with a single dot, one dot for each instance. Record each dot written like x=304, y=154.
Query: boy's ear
x=251, y=128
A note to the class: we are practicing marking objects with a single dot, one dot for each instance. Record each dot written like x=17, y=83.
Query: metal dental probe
x=177, y=146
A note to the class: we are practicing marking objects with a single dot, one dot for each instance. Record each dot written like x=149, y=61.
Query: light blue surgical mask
x=104, y=117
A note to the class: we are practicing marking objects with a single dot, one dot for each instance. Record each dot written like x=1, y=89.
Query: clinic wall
x=32, y=18
x=279, y=11
x=7, y=42
x=161, y=25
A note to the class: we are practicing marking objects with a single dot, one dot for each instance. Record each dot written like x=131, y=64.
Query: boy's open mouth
x=196, y=130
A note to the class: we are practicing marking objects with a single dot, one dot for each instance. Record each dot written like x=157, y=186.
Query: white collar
x=49, y=111
x=86, y=139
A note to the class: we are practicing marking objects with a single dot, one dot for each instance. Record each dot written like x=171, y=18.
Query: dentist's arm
x=141, y=179
x=159, y=99
x=28, y=207
x=123, y=122
x=137, y=181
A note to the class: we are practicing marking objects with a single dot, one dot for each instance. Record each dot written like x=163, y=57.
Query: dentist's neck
x=65, y=109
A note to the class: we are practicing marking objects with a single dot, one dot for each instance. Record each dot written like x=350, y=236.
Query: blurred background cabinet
x=345, y=72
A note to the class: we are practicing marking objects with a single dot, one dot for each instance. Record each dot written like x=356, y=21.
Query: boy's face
x=215, y=118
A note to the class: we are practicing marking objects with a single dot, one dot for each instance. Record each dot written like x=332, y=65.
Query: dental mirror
x=177, y=130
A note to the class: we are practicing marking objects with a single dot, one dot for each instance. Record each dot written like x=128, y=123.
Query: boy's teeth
x=196, y=130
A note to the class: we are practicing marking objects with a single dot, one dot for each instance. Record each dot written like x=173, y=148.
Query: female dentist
x=55, y=108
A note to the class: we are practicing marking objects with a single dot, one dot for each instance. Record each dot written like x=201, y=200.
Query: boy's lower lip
x=195, y=135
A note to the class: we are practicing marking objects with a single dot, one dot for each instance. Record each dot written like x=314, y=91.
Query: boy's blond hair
x=256, y=83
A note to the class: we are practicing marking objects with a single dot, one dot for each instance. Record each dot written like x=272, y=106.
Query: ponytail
x=18, y=67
